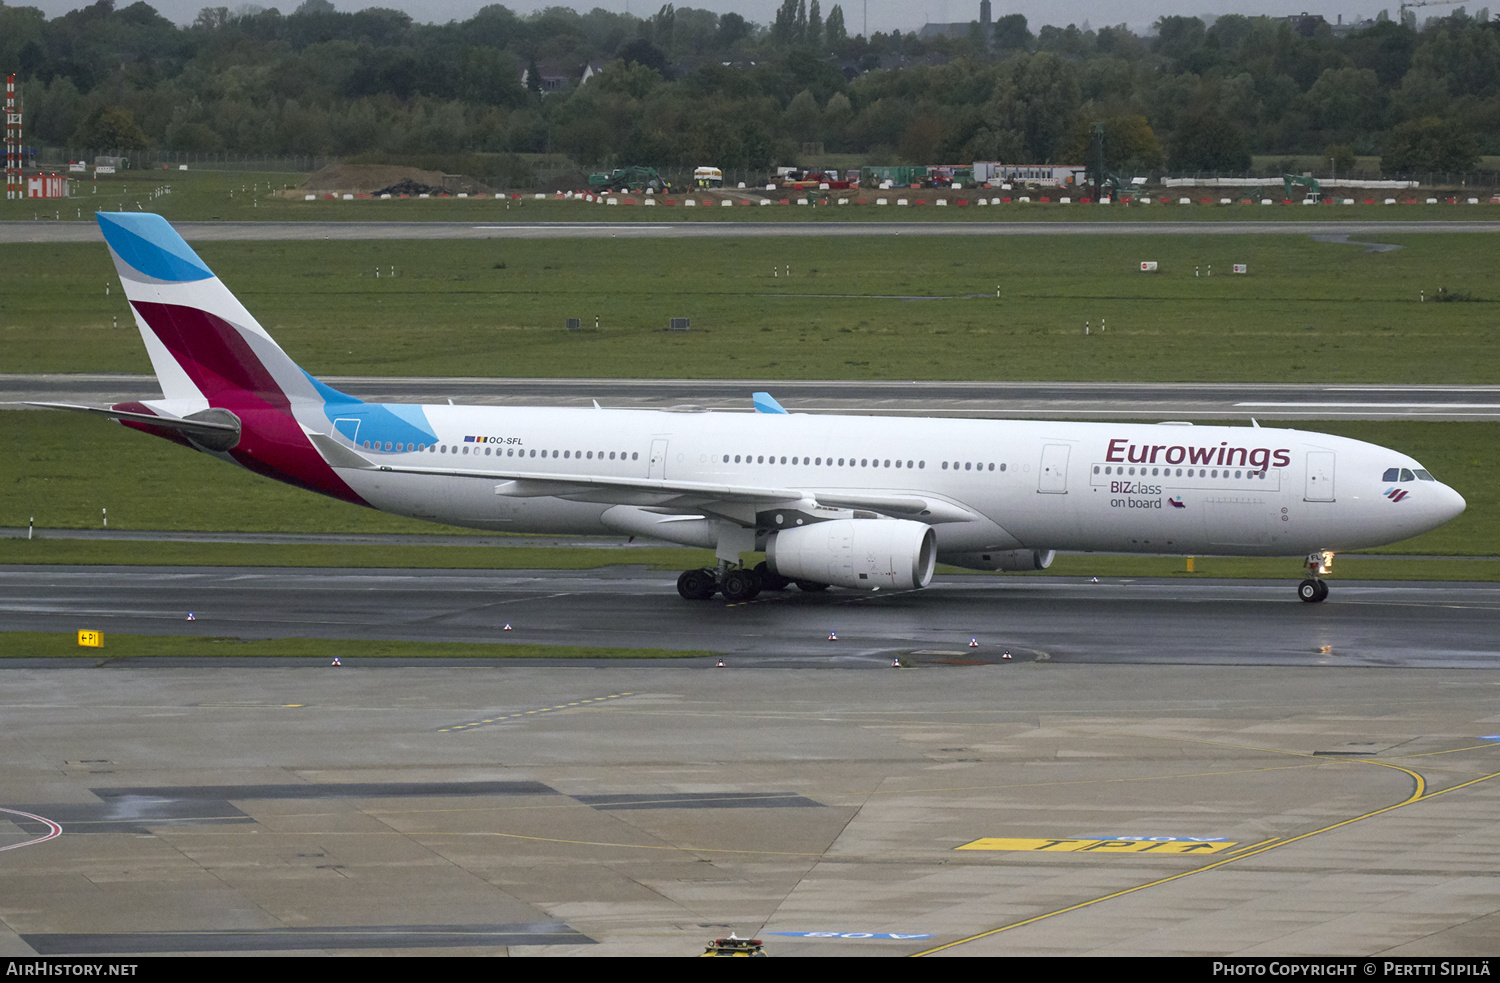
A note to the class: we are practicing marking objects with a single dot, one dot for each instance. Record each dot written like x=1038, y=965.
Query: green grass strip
x=811, y=308
x=135, y=553
x=34, y=644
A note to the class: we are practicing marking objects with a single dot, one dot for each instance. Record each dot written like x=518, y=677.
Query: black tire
x=740, y=585
x=1312, y=591
x=1322, y=590
x=769, y=580
x=696, y=585
x=811, y=586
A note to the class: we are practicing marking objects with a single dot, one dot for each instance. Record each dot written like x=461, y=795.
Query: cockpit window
x=1406, y=475
x=1391, y=474
x=1425, y=476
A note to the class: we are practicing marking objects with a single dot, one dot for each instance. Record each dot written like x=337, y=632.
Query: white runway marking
x=53, y=829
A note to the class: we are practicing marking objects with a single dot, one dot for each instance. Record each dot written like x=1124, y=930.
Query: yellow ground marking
x=470, y=725
x=252, y=706
x=1063, y=845
x=1417, y=796
x=1252, y=846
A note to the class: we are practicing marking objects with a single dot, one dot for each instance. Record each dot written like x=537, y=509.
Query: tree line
x=686, y=86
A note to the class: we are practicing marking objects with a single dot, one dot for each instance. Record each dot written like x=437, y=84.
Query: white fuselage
x=1126, y=487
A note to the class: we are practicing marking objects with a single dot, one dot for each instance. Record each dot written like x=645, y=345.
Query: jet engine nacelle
x=865, y=554
x=1002, y=559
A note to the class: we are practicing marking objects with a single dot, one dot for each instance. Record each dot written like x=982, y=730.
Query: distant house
x=1306, y=24
x=554, y=79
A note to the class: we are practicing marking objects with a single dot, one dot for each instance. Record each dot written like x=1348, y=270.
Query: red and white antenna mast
x=14, y=187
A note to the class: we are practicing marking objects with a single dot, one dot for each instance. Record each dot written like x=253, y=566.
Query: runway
x=501, y=228
x=1022, y=400
x=1039, y=619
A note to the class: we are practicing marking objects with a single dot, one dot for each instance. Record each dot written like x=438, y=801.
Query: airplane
x=856, y=502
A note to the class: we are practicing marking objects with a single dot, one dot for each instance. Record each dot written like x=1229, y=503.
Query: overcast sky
x=884, y=15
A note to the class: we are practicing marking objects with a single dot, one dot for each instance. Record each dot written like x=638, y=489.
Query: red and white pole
x=14, y=188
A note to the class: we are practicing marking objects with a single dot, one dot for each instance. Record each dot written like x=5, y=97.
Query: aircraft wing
x=738, y=502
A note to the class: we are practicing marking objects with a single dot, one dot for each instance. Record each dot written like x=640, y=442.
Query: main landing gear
x=735, y=583
x=1314, y=589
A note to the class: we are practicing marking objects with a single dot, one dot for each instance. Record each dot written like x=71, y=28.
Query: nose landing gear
x=1314, y=589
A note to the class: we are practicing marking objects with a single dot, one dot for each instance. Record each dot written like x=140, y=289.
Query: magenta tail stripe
x=211, y=350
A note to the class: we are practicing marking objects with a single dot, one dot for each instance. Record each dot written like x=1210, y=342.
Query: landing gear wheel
x=740, y=585
x=769, y=580
x=810, y=586
x=1312, y=591
x=696, y=585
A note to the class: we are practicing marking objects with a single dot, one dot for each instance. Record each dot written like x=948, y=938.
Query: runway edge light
x=91, y=639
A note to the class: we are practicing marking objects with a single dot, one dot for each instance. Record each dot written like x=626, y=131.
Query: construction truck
x=1305, y=180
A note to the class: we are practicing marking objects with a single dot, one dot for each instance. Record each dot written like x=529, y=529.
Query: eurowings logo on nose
x=1395, y=494
x=1176, y=502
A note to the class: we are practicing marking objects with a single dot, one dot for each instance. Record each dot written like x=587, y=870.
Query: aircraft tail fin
x=205, y=347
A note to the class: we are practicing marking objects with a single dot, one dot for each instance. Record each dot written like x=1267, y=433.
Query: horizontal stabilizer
x=171, y=422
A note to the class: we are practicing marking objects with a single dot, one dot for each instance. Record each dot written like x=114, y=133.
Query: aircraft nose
x=1451, y=504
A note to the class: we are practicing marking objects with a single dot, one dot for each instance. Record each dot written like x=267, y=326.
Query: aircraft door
x=658, y=467
x=348, y=428
x=1054, y=473
x=1319, y=477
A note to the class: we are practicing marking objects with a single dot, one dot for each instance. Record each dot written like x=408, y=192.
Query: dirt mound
x=368, y=178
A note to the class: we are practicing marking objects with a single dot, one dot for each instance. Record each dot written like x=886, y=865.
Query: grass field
x=240, y=196
x=30, y=644
x=1314, y=311
x=65, y=468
